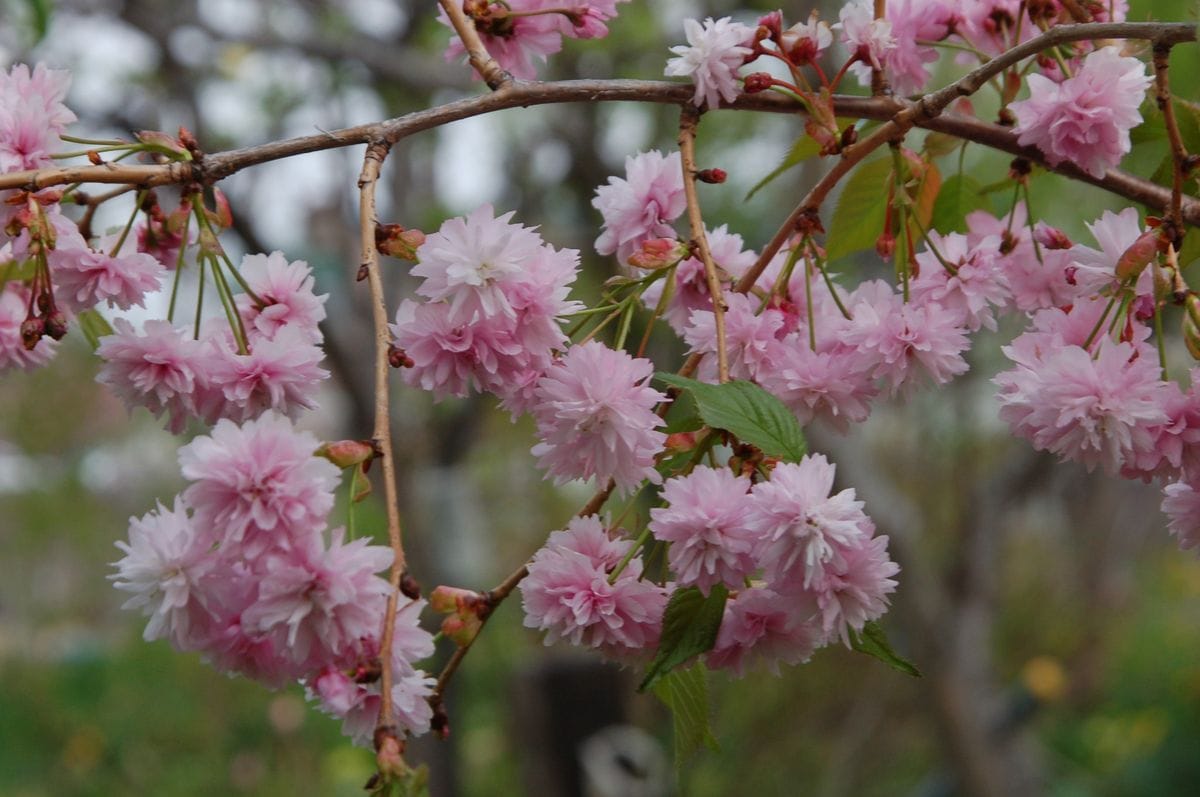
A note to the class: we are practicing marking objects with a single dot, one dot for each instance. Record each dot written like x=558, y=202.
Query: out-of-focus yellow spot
x=231, y=58
x=1044, y=678
x=83, y=749
x=1148, y=729
x=286, y=713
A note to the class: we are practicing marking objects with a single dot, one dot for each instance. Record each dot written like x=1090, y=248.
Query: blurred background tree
x=1053, y=618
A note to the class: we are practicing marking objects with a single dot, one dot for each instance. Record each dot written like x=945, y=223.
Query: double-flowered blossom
x=567, y=592
x=965, y=280
x=1181, y=505
x=32, y=115
x=868, y=39
x=705, y=521
x=495, y=292
x=762, y=628
x=905, y=61
x=641, y=206
x=595, y=417
x=714, y=51
x=1086, y=118
x=286, y=297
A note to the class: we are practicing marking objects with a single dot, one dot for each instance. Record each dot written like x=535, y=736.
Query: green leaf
x=874, y=642
x=40, y=11
x=861, y=208
x=961, y=194
x=689, y=628
x=685, y=692
x=804, y=148
x=748, y=412
x=93, y=326
x=16, y=270
x=683, y=415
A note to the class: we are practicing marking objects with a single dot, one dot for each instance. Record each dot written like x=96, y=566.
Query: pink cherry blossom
x=691, y=283
x=1086, y=118
x=705, y=522
x=86, y=276
x=32, y=116
x=715, y=51
x=762, y=629
x=1095, y=409
x=804, y=42
x=868, y=39
x=749, y=337
x=1094, y=270
x=802, y=528
x=357, y=705
x=595, y=418
x=259, y=484
x=975, y=289
x=854, y=587
x=161, y=369
x=279, y=373
x=1181, y=504
x=515, y=41
x=165, y=560
x=286, y=289
x=587, y=536
x=834, y=386
x=641, y=206
x=905, y=62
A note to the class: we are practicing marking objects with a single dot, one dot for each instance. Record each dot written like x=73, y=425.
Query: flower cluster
x=242, y=569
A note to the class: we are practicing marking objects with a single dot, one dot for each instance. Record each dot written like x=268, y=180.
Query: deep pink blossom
x=711, y=59
x=1086, y=118
x=641, y=206
x=595, y=418
x=705, y=521
x=801, y=527
x=259, y=484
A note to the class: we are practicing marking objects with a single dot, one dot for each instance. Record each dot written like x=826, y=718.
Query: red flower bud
x=885, y=245
x=757, y=81
x=1139, y=254
x=713, y=176
x=345, y=453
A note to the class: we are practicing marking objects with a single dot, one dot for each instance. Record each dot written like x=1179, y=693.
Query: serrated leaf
x=874, y=642
x=802, y=149
x=861, y=208
x=689, y=628
x=93, y=326
x=961, y=194
x=685, y=692
x=748, y=412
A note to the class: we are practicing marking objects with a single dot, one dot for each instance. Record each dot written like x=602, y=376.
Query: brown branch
x=1179, y=155
x=480, y=59
x=689, y=118
x=377, y=151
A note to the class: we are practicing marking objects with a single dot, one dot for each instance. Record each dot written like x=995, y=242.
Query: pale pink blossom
x=762, y=629
x=749, y=337
x=14, y=309
x=286, y=291
x=868, y=39
x=1086, y=118
x=690, y=291
x=259, y=484
x=1096, y=409
x=469, y=260
x=905, y=339
x=165, y=560
x=641, y=206
x=1181, y=505
x=1094, y=271
x=587, y=536
x=595, y=418
x=705, y=521
x=319, y=609
x=711, y=59
x=86, y=276
x=279, y=373
x=568, y=595
x=1176, y=447
x=803, y=529
x=1037, y=277
x=834, y=385
x=854, y=587
x=905, y=63
x=976, y=288
x=32, y=116
x=162, y=369
x=357, y=705
x=804, y=42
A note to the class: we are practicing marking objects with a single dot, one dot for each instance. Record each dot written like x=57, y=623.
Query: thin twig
x=481, y=60
x=1162, y=57
x=377, y=151
x=689, y=118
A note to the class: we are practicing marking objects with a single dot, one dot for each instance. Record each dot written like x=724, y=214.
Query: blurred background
x=1056, y=622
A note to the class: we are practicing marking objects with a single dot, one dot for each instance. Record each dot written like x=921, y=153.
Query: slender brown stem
x=481, y=60
x=377, y=151
x=1179, y=155
x=689, y=118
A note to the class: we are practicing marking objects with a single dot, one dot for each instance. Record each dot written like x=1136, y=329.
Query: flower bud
x=56, y=325
x=830, y=144
x=466, y=609
x=389, y=755
x=1051, y=237
x=32, y=330
x=94, y=158
x=395, y=241
x=163, y=144
x=345, y=453
x=1139, y=254
x=885, y=245
x=757, y=81
x=773, y=22
x=711, y=176
x=398, y=358
x=659, y=253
